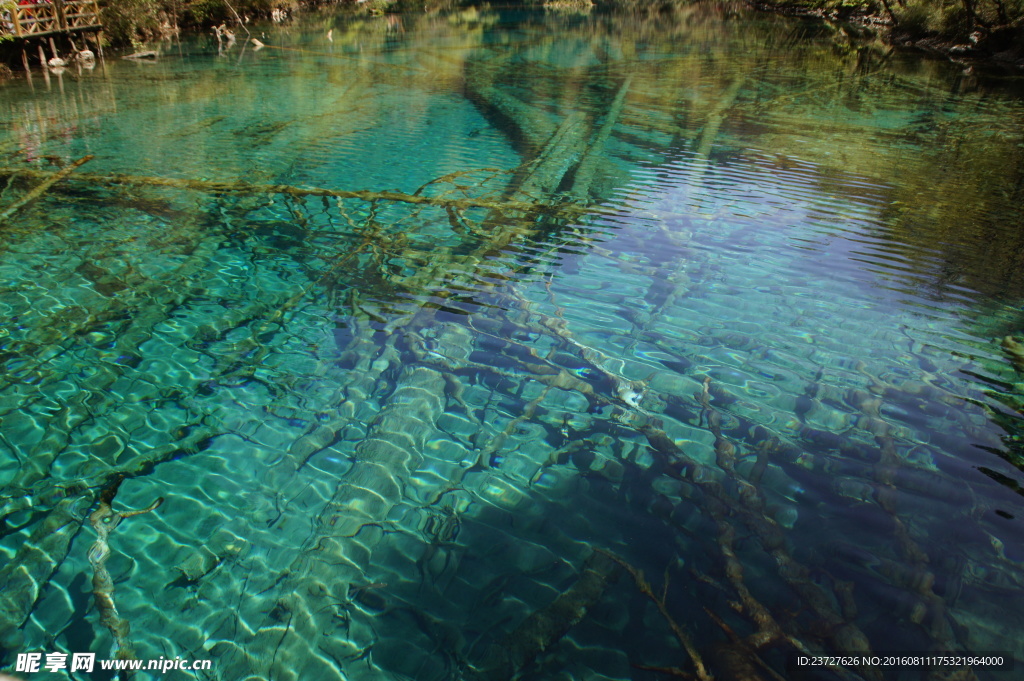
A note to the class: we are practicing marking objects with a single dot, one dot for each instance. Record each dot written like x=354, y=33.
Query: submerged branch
x=24, y=577
x=48, y=182
x=659, y=601
x=549, y=625
x=591, y=161
x=104, y=519
x=223, y=187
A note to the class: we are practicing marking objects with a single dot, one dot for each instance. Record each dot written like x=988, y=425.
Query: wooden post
x=62, y=22
x=42, y=62
x=98, y=35
x=28, y=69
x=53, y=48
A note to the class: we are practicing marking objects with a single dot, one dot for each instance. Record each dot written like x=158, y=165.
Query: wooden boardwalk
x=44, y=19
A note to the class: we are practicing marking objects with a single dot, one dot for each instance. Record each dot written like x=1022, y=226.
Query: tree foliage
x=133, y=20
x=965, y=20
x=7, y=8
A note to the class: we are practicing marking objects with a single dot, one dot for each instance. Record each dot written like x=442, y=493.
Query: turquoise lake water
x=733, y=300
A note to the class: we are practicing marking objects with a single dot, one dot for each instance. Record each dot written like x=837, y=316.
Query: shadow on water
x=747, y=384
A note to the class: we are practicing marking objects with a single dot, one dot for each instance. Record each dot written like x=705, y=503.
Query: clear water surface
x=766, y=366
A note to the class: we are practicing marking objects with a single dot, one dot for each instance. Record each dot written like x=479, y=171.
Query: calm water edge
x=693, y=335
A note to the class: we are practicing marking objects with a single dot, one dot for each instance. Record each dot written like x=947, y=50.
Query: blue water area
x=492, y=344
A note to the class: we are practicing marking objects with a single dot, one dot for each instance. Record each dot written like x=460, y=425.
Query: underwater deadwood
x=547, y=626
x=214, y=187
x=22, y=580
x=104, y=519
x=48, y=182
x=659, y=601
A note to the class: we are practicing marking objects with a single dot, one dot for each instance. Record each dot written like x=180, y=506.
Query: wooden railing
x=40, y=18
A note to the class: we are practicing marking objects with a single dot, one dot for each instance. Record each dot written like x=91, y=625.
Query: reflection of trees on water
x=856, y=111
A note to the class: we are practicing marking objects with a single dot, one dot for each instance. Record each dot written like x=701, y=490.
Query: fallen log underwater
x=37, y=192
x=240, y=187
x=103, y=521
x=23, y=579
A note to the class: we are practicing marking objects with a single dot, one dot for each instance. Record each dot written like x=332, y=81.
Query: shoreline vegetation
x=966, y=31
x=984, y=32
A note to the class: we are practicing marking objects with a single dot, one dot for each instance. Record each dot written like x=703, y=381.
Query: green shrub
x=918, y=18
x=955, y=21
x=6, y=7
x=127, y=21
x=206, y=12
